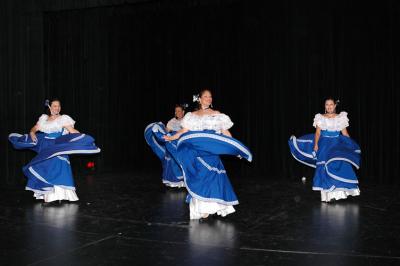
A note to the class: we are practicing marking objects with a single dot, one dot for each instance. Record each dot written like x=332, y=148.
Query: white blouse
x=174, y=124
x=217, y=122
x=336, y=123
x=55, y=125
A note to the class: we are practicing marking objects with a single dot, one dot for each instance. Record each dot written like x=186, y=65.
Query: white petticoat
x=199, y=208
x=174, y=184
x=338, y=194
x=58, y=194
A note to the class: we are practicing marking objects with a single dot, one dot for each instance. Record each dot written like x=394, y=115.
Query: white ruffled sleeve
x=343, y=120
x=174, y=124
x=170, y=124
x=187, y=121
x=66, y=121
x=317, y=120
x=225, y=122
x=42, y=120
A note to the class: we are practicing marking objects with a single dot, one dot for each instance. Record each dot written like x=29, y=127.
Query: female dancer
x=174, y=124
x=172, y=173
x=332, y=152
x=53, y=138
x=204, y=136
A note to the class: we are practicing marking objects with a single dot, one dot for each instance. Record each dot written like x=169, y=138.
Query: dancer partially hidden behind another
x=204, y=136
x=172, y=172
x=332, y=152
x=53, y=138
x=174, y=124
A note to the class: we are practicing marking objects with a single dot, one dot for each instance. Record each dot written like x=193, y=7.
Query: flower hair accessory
x=196, y=98
x=337, y=102
x=47, y=103
x=185, y=105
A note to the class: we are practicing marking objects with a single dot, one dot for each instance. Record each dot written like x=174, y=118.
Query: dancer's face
x=55, y=108
x=206, y=98
x=179, y=113
x=330, y=106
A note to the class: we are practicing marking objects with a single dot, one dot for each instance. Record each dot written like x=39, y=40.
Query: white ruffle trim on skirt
x=174, y=184
x=338, y=194
x=59, y=193
x=199, y=209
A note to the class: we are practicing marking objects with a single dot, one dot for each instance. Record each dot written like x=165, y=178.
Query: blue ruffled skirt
x=172, y=173
x=49, y=172
x=334, y=161
x=210, y=190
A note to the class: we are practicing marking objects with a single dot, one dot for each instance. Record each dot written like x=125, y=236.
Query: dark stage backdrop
x=117, y=68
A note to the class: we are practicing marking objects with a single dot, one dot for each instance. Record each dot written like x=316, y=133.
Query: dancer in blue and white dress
x=332, y=152
x=205, y=135
x=53, y=138
x=175, y=124
x=172, y=174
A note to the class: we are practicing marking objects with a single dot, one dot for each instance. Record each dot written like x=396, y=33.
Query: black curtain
x=21, y=81
x=270, y=65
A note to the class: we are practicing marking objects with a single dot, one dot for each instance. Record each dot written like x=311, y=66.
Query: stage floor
x=132, y=219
